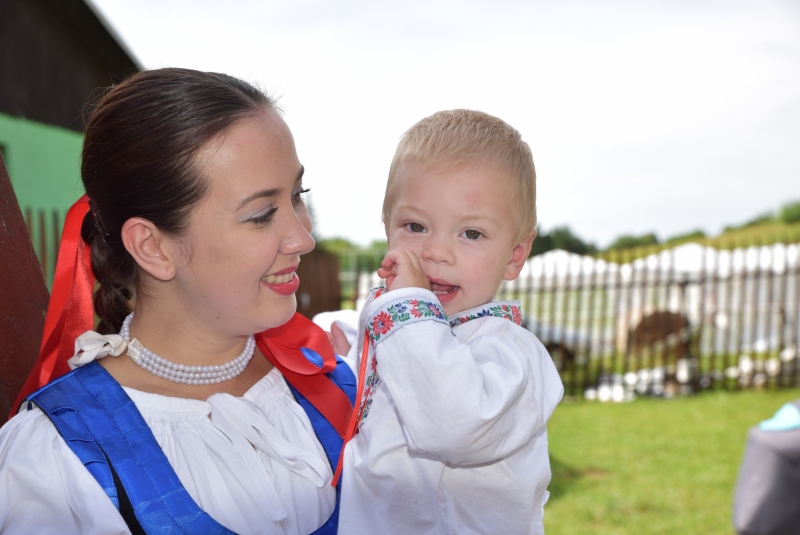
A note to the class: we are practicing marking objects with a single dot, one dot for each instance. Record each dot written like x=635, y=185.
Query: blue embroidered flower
x=500, y=310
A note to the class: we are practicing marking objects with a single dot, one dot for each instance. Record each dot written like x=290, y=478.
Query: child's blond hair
x=459, y=138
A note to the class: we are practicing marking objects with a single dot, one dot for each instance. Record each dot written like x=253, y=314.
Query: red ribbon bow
x=70, y=312
x=281, y=346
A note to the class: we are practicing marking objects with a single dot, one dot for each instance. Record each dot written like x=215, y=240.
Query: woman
x=196, y=224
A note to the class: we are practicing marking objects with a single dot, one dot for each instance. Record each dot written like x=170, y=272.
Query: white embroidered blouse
x=252, y=462
x=452, y=436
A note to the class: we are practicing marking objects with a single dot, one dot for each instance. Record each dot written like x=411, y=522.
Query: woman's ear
x=518, y=257
x=149, y=247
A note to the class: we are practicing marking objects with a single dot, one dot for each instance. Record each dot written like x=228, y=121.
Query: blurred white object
x=347, y=320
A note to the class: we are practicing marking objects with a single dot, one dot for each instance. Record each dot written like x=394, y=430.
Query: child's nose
x=438, y=249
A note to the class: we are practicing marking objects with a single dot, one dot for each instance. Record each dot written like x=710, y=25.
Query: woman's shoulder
x=29, y=428
x=52, y=492
x=29, y=437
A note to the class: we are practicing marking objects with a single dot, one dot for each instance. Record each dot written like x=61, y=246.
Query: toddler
x=455, y=394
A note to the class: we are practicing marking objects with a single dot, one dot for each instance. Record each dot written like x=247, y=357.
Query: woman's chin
x=279, y=314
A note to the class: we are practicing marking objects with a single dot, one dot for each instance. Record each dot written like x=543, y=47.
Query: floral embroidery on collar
x=497, y=309
x=393, y=315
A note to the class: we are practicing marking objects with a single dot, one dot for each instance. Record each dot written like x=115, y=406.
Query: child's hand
x=338, y=340
x=402, y=269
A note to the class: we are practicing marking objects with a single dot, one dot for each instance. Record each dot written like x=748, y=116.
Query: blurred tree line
x=369, y=257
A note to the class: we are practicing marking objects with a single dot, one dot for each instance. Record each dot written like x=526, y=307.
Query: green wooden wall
x=44, y=166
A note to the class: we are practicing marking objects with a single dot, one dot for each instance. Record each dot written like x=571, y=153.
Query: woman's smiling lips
x=283, y=282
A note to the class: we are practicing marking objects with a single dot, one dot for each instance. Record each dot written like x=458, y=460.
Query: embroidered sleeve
x=465, y=401
x=400, y=312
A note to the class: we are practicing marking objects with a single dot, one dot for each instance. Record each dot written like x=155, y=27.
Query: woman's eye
x=297, y=196
x=415, y=227
x=472, y=234
x=265, y=218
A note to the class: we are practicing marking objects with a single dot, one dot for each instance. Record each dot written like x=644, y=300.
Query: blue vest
x=101, y=424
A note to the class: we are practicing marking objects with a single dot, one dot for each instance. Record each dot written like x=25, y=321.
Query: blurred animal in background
x=668, y=340
x=665, y=330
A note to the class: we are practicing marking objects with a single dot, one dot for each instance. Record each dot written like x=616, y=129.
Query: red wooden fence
x=23, y=297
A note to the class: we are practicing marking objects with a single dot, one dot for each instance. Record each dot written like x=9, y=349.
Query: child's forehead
x=472, y=186
x=485, y=175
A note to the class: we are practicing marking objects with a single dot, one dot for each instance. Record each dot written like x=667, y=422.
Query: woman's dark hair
x=138, y=161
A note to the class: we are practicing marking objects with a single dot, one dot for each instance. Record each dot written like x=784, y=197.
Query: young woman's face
x=246, y=236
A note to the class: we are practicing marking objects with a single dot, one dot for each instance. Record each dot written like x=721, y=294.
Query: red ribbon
x=281, y=346
x=69, y=313
x=355, y=416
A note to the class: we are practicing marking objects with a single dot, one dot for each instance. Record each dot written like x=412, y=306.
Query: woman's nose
x=298, y=239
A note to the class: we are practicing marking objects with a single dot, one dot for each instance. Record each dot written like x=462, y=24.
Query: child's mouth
x=442, y=289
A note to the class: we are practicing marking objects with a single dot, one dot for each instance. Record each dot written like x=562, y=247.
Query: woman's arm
x=44, y=487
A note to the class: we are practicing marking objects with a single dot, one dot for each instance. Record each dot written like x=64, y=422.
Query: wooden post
x=23, y=297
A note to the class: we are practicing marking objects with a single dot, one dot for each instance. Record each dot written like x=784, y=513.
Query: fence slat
x=675, y=321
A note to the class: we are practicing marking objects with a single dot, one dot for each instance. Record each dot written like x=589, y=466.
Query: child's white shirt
x=452, y=435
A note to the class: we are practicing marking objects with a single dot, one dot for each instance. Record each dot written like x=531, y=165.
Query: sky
x=660, y=116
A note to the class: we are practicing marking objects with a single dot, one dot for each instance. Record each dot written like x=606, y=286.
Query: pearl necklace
x=181, y=373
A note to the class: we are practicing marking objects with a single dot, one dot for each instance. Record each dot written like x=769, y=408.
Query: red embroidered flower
x=415, y=308
x=515, y=315
x=382, y=323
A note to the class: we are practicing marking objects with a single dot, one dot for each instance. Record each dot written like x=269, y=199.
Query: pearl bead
x=192, y=375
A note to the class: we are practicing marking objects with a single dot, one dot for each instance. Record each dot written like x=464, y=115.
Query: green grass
x=652, y=466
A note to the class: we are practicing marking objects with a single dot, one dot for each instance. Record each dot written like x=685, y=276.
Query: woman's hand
x=402, y=269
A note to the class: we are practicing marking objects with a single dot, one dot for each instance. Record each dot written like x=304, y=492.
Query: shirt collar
x=509, y=310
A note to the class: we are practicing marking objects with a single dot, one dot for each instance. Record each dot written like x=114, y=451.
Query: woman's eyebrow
x=258, y=195
x=268, y=192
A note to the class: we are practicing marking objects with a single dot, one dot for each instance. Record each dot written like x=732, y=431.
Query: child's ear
x=149, y=247
x=518, y=257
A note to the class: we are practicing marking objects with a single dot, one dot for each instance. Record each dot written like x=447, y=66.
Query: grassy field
x=652, y=466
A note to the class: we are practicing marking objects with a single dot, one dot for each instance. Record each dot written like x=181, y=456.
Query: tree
x=560, y=238
x=686, y=236
x=337, y=245
x=626, y=241
x=790, y=213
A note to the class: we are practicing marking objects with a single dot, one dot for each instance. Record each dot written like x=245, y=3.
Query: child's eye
x=472, y=234
x=265, y=218
x=415, y=227
x=297, y=195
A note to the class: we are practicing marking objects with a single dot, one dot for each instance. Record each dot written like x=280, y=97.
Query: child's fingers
x=390, y=282
x=414, y=260
x=403, y=269
x=390, y=259
x=338, y=340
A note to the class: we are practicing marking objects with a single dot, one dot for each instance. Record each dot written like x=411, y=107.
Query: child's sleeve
x=463, y=403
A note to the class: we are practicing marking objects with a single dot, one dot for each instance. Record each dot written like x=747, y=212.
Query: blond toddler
x=452, y=431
